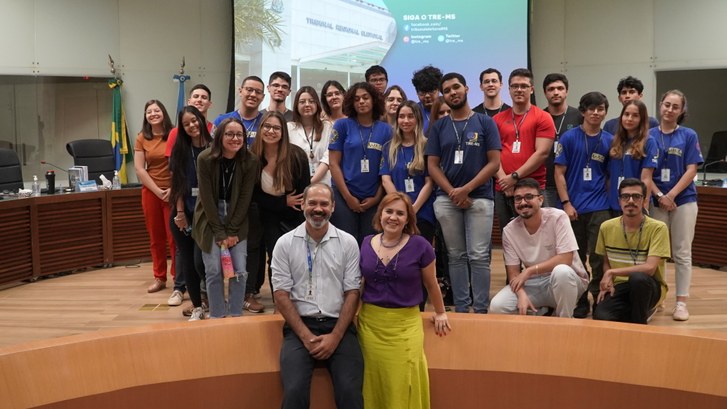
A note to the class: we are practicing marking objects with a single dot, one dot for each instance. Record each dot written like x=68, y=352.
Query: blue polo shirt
x=677, y=150
x=399, y=173
x=478, y=137
x=356, y=142
x=629, y=167
x=578, y=151
x=251, y=126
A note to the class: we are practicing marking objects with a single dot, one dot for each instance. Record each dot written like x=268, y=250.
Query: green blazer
x=207, y=226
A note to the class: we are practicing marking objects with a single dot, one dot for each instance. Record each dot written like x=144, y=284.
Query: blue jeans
x=215, y=280
x=356, y=224
x=467, y=234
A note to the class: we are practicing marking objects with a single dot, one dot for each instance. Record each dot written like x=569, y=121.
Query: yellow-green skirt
x=395, y=368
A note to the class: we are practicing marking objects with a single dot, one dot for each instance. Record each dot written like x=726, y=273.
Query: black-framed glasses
x=269, y=127
x=528, y=197
x=521, y=87
x=251, y=90
x=634, y=196
x=234, y=135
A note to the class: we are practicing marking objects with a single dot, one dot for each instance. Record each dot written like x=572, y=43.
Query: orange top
x=156, y=163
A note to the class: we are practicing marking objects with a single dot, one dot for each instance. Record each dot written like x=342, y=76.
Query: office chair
x=97, y=154
x=11, y=174
x=717, y=152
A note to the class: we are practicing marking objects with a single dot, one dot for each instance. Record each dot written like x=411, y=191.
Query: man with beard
x=527, y=134
x=279, y=89
x=463, y=154
x=251, y=95
x=634, y=249
x=565, y=117
x=543, y=241
x=426, y=83
x=491, y=84
x=316, y=280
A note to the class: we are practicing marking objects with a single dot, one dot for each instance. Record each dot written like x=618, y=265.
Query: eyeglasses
x=281, y=86
x=597, y=110
x=671, y=107
x=528, y=197
x=251, y=90
x=332, y=94
x=377, y=80
x=268, y=128
x=422, y=93
x=634, y=196
x=234, y=135
x=521, y=87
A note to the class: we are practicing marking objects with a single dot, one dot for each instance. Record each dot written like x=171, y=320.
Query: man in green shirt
x=634, y=249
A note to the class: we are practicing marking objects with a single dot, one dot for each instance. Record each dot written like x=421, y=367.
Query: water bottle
x=116, y=183
x=228, y=271
x=50, y=181
x=36, y=186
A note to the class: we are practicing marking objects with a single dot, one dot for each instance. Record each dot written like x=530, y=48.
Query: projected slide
x=340, y=39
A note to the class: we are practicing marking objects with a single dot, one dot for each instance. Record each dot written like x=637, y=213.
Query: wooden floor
x=116, y=297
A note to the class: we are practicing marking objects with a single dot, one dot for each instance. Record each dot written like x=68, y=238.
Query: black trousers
x=631, y=301
x=189, y=264
x=345, y=367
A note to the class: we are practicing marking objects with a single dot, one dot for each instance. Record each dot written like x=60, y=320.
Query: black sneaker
x=581, y=310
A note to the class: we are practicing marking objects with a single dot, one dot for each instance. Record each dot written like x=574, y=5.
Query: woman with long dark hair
x=355, y=154
x=283, y=176
x=153, y=172
x=192, y=138
x=226, y=174
x=633, y=152
x=310, y=133
x=674, y=191
x=332, y=95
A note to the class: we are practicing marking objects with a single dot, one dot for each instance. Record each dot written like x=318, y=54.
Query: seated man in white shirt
x=542, y=240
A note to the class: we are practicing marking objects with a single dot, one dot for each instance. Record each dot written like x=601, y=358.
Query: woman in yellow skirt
x=395, y=264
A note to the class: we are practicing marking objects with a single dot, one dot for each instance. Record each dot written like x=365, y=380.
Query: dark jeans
x=345, y=367
x=631, y=301
x=189, y=266
x=356, y=224
x=255, y=251
x=586, y=229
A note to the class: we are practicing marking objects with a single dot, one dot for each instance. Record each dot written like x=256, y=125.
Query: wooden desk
x=65, y=232
x=710, y=239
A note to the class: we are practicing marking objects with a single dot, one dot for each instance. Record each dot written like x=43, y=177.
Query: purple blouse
x=399, y=283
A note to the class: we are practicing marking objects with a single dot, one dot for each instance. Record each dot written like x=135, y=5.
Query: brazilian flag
x=119, y=135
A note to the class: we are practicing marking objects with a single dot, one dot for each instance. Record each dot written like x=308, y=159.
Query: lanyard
x=311, y=259
x=360, y=134
x=309, y=140
x=407, y=162
x=598, y=142
x=456, y=133
x=517, y=126
x=634, y=253
x=227, y=181
x=252, y=126
x=557, y=131
x=666, y=149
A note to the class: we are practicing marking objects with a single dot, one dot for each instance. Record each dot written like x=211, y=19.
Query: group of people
x=342, y=198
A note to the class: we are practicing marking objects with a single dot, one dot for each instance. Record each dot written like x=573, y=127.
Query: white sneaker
x=197, y=314
x=680, y=312
x=175, y=299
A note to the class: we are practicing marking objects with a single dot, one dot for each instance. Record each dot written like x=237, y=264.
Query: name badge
x=409, y=185
x=458, y=157
x=311, y=168
x=364, y=166
x=587, y=176
x=516, y=147
x=665, y=175
x=555, y=147
x=195, y=191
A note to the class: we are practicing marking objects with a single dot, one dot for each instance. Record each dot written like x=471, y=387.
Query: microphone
x=704, y=169
x=54, y=165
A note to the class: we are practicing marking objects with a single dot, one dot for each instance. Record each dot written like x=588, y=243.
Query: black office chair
x=11, y=174
x=97, y=154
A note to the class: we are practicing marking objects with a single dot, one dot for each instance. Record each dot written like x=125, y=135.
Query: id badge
x=516, y=147
x=555, y=147
x=364, y=166
x=458, y=157
x=309, y=296
x=620, y=179
x=587, y=174
x=311, y=168
x=665, y=175
x=195, y=191
x=409, y=185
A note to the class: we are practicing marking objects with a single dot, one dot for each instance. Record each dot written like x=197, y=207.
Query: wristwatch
x=515, y=176
x=659, y=195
